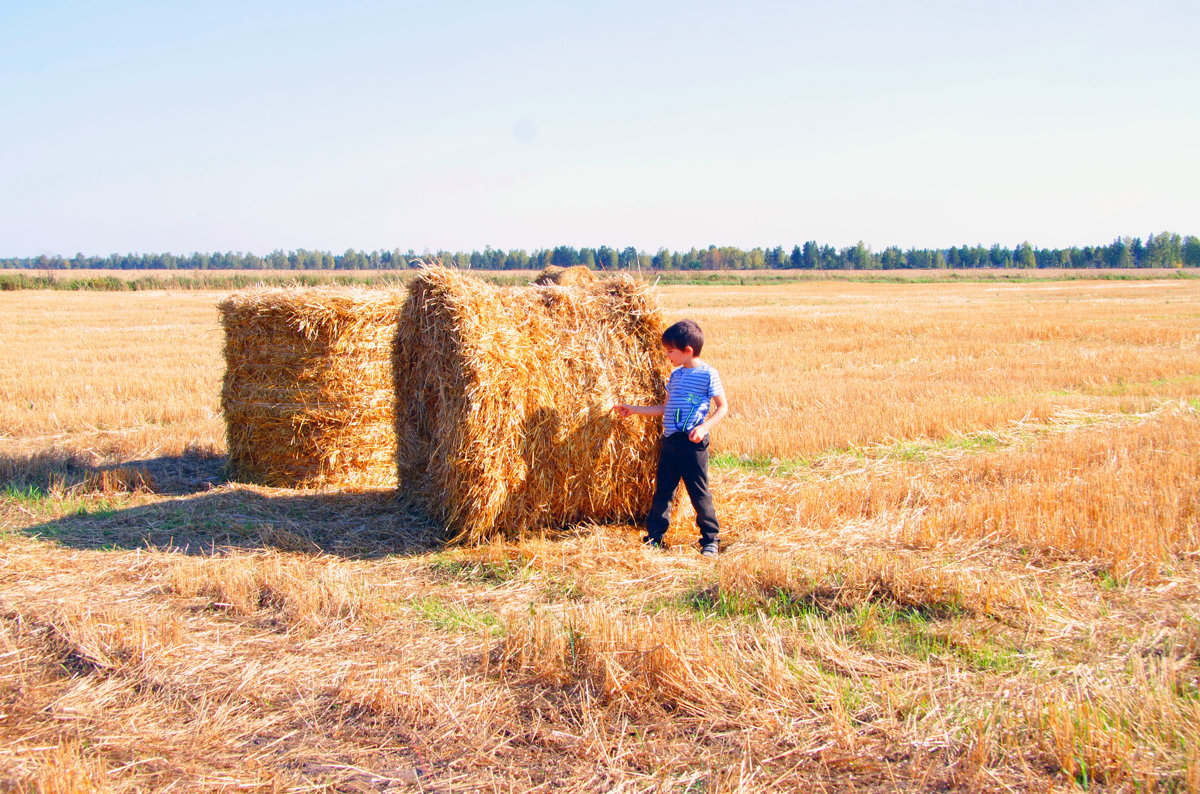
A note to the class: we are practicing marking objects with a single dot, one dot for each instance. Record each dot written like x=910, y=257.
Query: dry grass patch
x=305, y=591
x=115, y=376
x=66, y=769
x=217, y=701
x=762, y=578
x=644, y=661
x=817, y=367
x=1090, y=733
x=1123, y=495
x=1120, y=493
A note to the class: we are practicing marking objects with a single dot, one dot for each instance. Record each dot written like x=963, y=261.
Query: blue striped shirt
x=689, y=396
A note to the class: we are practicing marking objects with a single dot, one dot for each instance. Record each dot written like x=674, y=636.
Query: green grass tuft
x=454, y=617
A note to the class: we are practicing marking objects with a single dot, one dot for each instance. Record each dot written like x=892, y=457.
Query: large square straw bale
x=308, y=391
x=504, y=400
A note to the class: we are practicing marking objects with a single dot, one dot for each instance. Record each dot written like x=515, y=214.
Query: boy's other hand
x=622, y=410
x=697, y=434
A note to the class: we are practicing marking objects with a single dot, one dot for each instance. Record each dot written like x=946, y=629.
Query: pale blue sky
x=161, y=126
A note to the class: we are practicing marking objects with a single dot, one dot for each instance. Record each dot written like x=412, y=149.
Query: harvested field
x=962, y=548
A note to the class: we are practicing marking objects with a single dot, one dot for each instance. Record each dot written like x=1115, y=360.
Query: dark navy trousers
x=682, y=459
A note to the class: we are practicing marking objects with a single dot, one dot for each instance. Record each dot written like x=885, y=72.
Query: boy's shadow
x=207, y=513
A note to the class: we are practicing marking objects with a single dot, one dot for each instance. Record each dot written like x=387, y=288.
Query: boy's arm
x=641, y=410
x=720, y=407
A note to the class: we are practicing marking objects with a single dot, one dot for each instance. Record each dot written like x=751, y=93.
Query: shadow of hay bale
x=363, y=525
x=56, y=471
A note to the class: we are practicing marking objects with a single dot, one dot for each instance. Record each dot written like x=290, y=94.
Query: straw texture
x=504, y=402
x=577, y=276
x=308, y=385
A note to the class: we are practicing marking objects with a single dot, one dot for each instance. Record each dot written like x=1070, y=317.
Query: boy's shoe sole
x=709, y=551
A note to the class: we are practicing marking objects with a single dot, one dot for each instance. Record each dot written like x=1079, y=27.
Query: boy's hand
x=697, y=434
x=622, y=410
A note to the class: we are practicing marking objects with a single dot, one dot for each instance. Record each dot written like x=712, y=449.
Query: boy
x=695, y=402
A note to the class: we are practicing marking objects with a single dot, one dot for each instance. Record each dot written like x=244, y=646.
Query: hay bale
x=504, y=402
x=307, y=396
x=577, y=276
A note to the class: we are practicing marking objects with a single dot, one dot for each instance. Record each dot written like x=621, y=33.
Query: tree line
x=1157, y=250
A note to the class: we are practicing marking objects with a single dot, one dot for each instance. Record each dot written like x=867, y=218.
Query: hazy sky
x=184, y=126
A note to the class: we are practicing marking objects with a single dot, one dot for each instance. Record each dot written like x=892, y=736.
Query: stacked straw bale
x=307, y=396
x=577, y=276
x=504, y=402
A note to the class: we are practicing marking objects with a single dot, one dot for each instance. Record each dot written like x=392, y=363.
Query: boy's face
x=677, y=357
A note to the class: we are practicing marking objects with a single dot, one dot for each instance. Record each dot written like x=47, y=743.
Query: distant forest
x=1157, y=250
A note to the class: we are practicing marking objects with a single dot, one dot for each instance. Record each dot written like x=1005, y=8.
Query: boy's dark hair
x=684, y=334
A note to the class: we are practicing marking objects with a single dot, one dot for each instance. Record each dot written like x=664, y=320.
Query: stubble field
x=961, y=531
